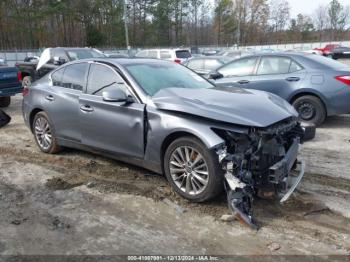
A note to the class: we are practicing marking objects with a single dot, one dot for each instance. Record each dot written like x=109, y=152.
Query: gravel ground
x=80, y=203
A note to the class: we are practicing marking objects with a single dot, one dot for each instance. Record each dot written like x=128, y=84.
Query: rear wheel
x=44, y=134
x=193, y=170
x=5, y=101
x=310, y=109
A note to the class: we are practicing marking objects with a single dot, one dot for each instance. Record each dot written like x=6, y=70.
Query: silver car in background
x=166, y=118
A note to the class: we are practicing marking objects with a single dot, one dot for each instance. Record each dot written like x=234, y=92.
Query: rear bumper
x=11, y=91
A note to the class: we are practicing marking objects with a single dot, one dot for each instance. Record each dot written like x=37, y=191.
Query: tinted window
x=153, y=77
x=153, y=54
x=195, y=64
x=165, y=55
x=74, y=76
x=183, y=54
x=212, y=64
x=57, y=77
x=103, y=78
x=274, y=65
x=242, y=67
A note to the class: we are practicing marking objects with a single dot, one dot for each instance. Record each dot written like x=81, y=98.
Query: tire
x=310, y=109
x=27, y=81
x=209, y=163
x=5, y=101
x=43, y=131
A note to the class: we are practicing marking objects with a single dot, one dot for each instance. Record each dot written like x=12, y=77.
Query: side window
x=274, y=65
x=212, y=64
x=195, y=64
x=74, y=76
x=103, y=78
x=242, y=67
x=294, y=67
x=165, y=55
x=57, y=77
x=153, y=54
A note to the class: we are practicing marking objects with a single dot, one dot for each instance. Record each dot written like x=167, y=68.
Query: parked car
x=10, y=83
x=233, y=54
x=315, y=85
x=176, y=55
x=204, y=65
x=166, y=118
x=340, y=52
x=50, y=59
x=327, y=49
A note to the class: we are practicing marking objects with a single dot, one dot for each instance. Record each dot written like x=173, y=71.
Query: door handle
x=293, y=79
x=49, y=98
x=243, y=82
x=86, y=108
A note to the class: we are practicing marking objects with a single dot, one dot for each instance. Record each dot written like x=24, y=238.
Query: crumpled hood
x=231, y=105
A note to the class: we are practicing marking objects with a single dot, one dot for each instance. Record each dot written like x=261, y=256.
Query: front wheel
x=192, y=170
x=44, y=134
x=311, y=109
x=5, y=101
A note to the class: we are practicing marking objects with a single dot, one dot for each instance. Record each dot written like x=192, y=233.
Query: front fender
x=162, y=124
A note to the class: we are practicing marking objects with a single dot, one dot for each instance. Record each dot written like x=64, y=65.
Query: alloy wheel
x=189, y=170
x=43, y=133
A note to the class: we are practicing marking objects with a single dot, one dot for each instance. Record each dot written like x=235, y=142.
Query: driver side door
x=110, y=126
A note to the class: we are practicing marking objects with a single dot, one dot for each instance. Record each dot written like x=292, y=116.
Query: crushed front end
x=259, y=163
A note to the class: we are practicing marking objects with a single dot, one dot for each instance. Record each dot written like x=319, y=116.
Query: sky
x=305, y=6
x=308, y=6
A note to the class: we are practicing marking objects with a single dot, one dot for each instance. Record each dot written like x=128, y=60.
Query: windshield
x=83, y=54
x=154, y=76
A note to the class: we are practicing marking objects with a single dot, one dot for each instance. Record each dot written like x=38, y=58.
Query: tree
x=320, y=20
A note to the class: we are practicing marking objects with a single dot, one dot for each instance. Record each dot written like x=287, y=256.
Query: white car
x=176, y=55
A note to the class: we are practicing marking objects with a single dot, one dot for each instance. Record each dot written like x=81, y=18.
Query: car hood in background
x=231, y=105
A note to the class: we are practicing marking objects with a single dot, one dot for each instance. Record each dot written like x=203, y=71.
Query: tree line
x=28, y=24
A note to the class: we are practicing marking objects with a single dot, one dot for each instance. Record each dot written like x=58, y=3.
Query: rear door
x=238, y=73
x=279, y=75
x=61, y=100
x=111, y=126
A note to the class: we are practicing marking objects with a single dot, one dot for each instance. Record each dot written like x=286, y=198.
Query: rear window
x=325, y=61
x=183, y=54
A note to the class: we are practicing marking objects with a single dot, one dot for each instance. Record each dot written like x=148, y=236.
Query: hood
x=231, y=105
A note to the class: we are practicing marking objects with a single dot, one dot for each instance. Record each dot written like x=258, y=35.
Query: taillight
x=178, y=61
x=19, y=76
x=344, y=79
x=25, y=91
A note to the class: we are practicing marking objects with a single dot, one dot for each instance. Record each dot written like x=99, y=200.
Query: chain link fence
x=13, y=56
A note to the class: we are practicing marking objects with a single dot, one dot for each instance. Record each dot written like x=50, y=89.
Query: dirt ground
x=78, y=203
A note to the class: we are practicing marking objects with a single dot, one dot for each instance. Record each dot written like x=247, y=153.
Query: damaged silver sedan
x=164, y=117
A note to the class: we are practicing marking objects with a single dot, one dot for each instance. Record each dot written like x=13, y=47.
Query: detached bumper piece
x=240, y=193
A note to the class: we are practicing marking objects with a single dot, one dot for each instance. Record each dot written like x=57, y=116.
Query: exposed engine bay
x=259, y=164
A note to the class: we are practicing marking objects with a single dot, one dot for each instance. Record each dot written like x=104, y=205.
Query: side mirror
x=117, y=95
x=215, y=75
